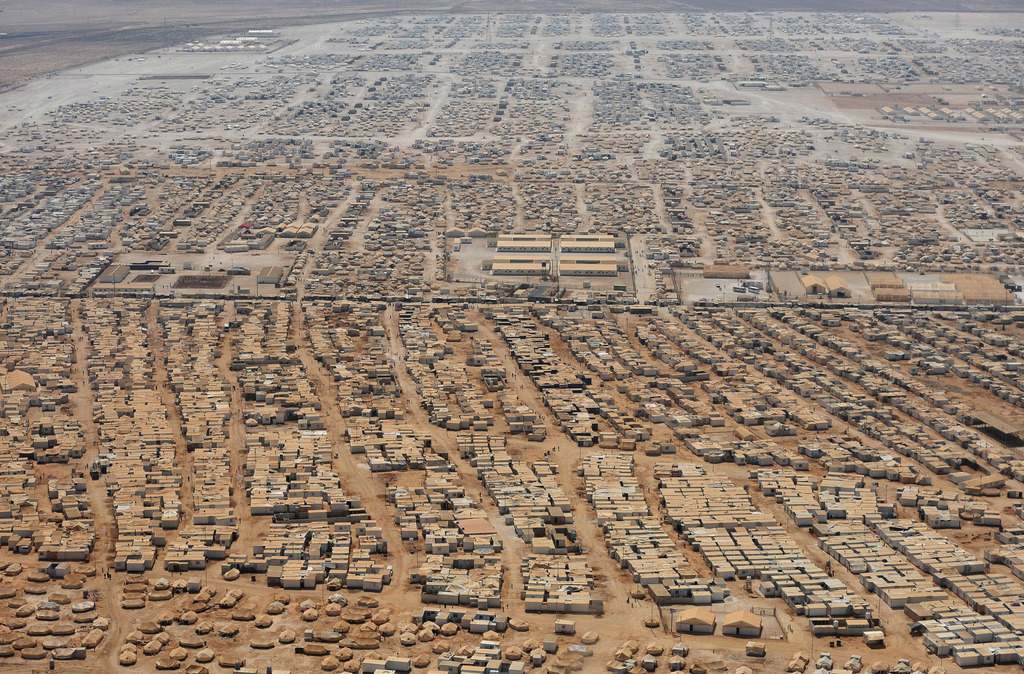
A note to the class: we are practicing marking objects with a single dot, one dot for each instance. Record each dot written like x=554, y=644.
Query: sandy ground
x=142, y=30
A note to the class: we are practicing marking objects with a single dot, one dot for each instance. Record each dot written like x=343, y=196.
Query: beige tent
x=17, y=380
x=695, y=620
x=837, y=287
x=741, y=624
x=813, y=285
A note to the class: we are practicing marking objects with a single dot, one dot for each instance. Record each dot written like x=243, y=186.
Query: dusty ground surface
x=38, y=39
x=107, y=139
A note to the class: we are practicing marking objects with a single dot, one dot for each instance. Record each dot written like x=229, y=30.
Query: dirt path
x=513, y=548
x=106, y=592
x=612, y=582
x=236, y=425
x=355, y=475
x=183, y=458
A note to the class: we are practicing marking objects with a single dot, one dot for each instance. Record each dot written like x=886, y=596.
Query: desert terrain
x=351, y=338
